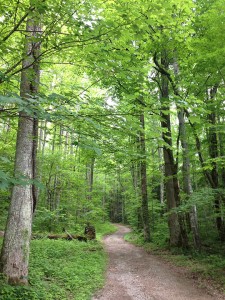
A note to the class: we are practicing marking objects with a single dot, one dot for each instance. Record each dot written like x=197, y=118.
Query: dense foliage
x=131, y=116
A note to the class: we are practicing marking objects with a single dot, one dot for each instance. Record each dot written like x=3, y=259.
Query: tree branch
x=30, y=9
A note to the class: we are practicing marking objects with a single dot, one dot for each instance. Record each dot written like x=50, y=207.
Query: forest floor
x=135, y=274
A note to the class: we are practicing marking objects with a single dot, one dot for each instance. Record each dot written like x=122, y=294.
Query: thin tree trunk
x=66, y=150
x=186, y=171
x=41, y=147
x=16, y=245
x=90, y=178
x=43, y=138
x=54, y=139
x=214, y=154
x=71, y=139
x=222, y=154
x=143, y=174
x=91, y=175
x=135, y=174
x=104, y=198
x=161, y=191
x=56, y=190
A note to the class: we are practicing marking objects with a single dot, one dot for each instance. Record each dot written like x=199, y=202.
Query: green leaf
x=195, y=119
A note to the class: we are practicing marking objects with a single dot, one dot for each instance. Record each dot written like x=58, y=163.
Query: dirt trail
x=135, y=274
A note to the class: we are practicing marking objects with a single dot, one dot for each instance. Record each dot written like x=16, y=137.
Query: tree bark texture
x=143, y=174
x=162, y=187
x=221, y=141
x=90, y=178
x=187, y=184
x=186, y=169
x=16, y=245
x=176, y=227
x=214, y=154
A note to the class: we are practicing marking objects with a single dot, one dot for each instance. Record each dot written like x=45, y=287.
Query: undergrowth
x=104, y=229
x=62, y=270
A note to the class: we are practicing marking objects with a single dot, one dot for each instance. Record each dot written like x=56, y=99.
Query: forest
x=110, y=112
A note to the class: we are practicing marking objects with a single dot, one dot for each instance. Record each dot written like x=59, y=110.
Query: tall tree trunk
x=42, y=138
x=161, y=191
x=67, y=149
x=212, y=182
x=90, y=177
x=177, y=231
x=54, y=139
x=211, y=177
x=143, y=174
x=186, y=170
x=187, y=185
x=135, y=174
x=56, y=190
x=173, y=222
x=214, y=153
x=221, y=141
x=16, y=245
x=104, y=198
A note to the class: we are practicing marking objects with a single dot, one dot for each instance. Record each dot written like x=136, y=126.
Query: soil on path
x=135, y=274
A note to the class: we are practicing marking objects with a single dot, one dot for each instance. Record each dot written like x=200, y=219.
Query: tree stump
x=89, y=232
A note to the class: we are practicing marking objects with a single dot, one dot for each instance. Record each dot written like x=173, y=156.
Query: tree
x=143, y=179
x=109, y=101
x=15, y=251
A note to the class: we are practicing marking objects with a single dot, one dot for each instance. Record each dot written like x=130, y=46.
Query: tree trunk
x=143, y=174
x=16, y=245
x=135, y=174
x=90, y=178
x=42, y=138
x=104, y=198
x=186, y=171
x=187, y=185
x=54, y=139
x=221, y=141
x=162, y=187
x=214, y=153
x=176, y=227
x=56, y=190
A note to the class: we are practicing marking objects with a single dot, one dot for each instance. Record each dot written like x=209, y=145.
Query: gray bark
x=186, y=170
x=173, y=222
x=143, y=174
x=90, y=177
x=214, y=154
x=178, y=236
x=16, y=245
x=187, y=179
x=160, y=155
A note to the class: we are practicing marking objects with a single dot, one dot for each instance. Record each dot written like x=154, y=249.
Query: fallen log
x=68, y=237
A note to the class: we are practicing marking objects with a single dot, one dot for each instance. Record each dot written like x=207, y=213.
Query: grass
x=104, y=229
x=62, y=270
